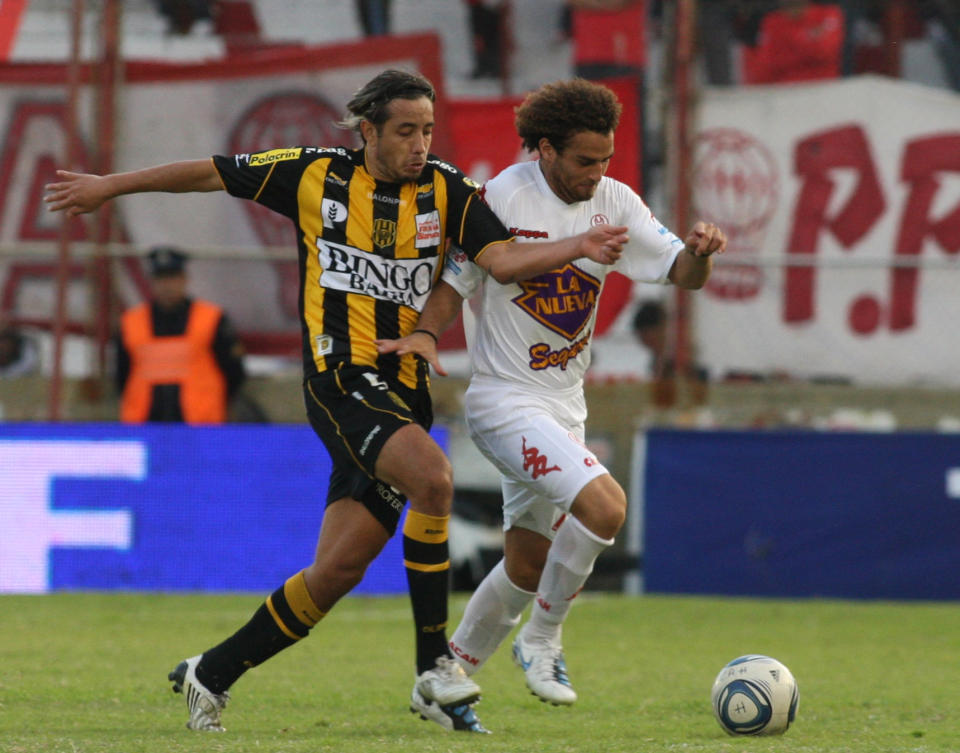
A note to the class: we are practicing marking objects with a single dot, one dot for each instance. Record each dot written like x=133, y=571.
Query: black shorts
x=355, y=411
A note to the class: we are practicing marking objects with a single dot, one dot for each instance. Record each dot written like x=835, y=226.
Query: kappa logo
x=534, y=462
x=562, y=300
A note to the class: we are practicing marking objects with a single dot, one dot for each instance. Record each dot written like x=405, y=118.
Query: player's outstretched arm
x=438, y=313
x=78, y=193
x=693, y=265
x=510, y=262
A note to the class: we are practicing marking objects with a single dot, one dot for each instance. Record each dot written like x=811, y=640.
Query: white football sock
x=569, y=564
x=492, y=612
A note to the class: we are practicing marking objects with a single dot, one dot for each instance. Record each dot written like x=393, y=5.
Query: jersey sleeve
x=270, y=178
x=462, y=274
x=652, y=248
x=471, y=224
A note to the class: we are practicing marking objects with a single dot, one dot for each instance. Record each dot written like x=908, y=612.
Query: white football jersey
x=538, y=332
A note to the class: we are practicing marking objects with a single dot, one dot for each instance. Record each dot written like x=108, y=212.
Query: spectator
x=943, y=26
x=609, y=37
x=486, y=29
x=374, y=17
x=799, y=41
x=651, y=328
x=18, y=354
x=183, y=15
x=178, y=359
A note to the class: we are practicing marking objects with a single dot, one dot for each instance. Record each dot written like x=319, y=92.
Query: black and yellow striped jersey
x=369, y=251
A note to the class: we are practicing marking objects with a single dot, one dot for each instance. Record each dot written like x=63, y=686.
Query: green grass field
x=86, y=673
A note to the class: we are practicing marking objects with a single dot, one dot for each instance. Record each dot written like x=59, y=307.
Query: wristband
x=427, y=332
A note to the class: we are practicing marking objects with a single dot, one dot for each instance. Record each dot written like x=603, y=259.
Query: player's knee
x=432, y=492
x=603, y=511
x=329, y=580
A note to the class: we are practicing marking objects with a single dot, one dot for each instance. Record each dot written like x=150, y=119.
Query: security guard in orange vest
x=178, y=359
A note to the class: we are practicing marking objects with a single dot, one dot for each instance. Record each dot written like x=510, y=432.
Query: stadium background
x=829, y=317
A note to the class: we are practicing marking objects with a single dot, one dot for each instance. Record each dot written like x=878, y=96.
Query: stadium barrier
x=798, y=514
x=166, y=508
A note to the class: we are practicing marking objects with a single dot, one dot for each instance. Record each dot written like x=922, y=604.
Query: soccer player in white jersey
x=525, y=406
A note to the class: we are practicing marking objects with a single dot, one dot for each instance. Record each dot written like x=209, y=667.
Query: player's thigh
x=411, y=461
x=537, y=456
x=355, y=412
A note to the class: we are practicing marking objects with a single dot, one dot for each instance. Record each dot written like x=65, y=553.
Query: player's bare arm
x=438, y=313
x=693, y=265
x=79, y=193
x=511, y=262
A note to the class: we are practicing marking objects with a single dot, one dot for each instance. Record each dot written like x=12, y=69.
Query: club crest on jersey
x=384, y=232
x=562, y=300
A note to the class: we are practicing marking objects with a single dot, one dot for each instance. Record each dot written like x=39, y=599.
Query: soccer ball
x=755, y=695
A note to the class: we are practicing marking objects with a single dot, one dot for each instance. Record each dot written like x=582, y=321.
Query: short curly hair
x=562, y=109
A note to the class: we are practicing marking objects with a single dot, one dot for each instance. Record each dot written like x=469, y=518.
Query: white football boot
x=446, y=695
x=546, y=671
x=204, y=706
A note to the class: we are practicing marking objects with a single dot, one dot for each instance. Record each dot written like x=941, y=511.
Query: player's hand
x=419, y=343
x=604, y=243
x=76, y=193
x=705, y=239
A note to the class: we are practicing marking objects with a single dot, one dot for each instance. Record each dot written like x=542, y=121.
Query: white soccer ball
x=755, y=695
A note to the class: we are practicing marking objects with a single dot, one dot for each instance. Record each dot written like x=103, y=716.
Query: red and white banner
x=857, y=184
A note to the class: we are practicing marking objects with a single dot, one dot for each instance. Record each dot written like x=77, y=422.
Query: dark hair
x=371, y=101
x=562, y=109
x=649, y=314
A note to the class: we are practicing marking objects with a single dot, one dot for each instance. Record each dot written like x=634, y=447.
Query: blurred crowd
x=739, y=41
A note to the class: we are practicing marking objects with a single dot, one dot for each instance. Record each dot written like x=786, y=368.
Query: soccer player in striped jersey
x=372, y=225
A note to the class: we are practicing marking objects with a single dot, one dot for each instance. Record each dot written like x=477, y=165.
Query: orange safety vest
x=185, y=359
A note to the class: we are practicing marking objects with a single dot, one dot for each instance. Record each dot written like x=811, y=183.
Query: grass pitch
x=86, y=673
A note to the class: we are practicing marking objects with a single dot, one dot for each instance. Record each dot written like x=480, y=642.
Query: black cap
x=166, y=260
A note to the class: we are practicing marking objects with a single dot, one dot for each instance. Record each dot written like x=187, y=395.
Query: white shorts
x=536, y=442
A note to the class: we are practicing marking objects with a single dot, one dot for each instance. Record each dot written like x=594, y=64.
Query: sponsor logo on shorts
x=273, y=155
x=534, y=462
x=390, y=496
x=369, y=438
x=397, y=400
